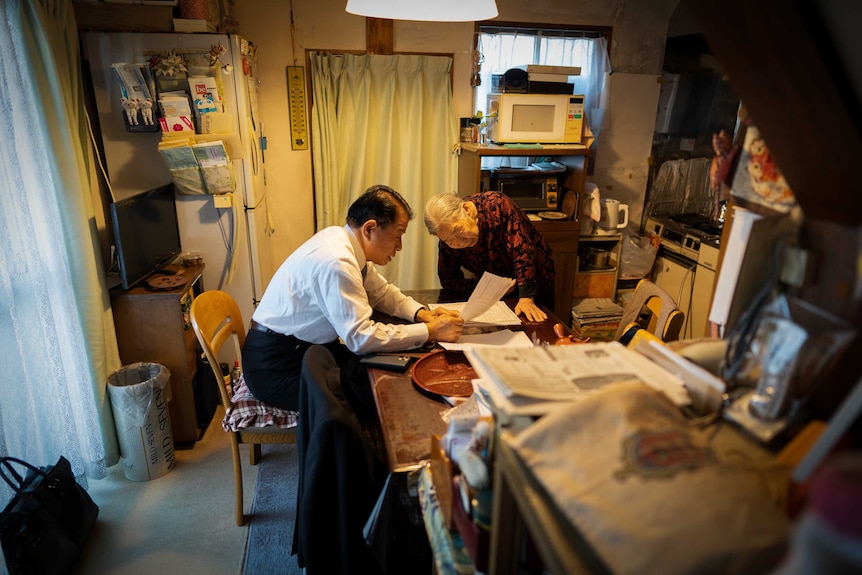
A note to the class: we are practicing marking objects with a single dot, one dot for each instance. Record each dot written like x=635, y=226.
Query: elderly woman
x=487, y=232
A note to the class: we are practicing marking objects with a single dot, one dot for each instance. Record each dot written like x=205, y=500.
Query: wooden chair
x=216, y=319
x=651, y=309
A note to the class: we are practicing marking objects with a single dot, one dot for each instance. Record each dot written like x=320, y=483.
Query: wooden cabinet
x=561, y=235
x=154, y=326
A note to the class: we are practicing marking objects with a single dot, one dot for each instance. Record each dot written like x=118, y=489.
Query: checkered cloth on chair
x=246, y=411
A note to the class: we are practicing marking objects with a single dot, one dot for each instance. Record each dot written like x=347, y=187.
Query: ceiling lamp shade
x=425, y=10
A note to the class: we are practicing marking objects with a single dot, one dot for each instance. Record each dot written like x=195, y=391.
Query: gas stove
x=684, y=233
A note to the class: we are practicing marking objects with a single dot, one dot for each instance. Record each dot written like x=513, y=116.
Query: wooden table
x=408, y=418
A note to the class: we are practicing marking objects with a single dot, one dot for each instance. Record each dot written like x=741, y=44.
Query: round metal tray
x=446, y=373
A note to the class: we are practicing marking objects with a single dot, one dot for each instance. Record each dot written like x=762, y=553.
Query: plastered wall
x=639, y=31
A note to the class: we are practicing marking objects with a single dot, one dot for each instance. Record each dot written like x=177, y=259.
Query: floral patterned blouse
x=509, y=246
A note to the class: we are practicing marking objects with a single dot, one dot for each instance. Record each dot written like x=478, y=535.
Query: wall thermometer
x=296, y=99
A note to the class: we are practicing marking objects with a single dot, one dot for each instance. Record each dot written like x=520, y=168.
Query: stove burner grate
x=697, y=222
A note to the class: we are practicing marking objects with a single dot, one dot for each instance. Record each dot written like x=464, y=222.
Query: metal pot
x=597, y=258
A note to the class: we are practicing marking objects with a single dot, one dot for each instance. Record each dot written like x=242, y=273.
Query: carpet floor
x=182, y=522
x=270, y=531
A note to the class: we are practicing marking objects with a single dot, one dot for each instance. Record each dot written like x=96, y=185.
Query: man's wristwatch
x=416, y=315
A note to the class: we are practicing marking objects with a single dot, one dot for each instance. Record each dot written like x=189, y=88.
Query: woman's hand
x=530, y=310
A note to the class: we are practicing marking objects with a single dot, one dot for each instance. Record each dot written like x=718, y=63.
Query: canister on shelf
x=466, y=130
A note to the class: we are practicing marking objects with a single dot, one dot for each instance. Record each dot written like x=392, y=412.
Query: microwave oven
x=536, y=118
x=532, y=192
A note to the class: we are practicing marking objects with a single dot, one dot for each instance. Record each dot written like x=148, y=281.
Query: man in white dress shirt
x=325, y=293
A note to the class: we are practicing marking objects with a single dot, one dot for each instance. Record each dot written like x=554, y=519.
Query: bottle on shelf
x=225, y=375
x=235, y=374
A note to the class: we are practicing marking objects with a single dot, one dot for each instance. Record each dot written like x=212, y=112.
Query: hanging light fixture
x=425, y=10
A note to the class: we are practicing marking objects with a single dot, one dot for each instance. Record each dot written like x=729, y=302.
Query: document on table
x=484, y=305
x=498, y=314
x=501, y=338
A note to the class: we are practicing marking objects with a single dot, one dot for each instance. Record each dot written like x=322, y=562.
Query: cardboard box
x=594, y=285
x=123, y=17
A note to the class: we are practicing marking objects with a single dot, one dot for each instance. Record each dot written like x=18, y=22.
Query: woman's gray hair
x=442, y=209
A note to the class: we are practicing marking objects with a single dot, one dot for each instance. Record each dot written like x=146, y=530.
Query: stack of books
x=544, y=79
x=596, y=318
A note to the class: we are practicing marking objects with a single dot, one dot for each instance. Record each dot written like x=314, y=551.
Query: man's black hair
x=377, y=203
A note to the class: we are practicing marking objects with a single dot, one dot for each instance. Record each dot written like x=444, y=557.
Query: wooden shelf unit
x=153, y=326
x=598, y=282
x=561, y=235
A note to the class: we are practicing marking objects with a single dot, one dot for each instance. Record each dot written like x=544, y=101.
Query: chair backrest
x=216, y=319
x=665, y=318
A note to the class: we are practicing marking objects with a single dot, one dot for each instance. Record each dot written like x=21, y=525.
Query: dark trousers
x=272, y=366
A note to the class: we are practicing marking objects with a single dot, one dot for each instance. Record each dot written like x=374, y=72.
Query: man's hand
x=531, y=311
x=428, y=315
x=445, y=328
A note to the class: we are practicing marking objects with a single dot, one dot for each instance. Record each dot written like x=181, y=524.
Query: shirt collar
x=357, y=247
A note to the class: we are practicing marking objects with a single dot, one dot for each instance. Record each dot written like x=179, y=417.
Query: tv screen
x=146, y=233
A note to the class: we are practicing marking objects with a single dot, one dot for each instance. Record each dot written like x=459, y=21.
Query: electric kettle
x=609, y=220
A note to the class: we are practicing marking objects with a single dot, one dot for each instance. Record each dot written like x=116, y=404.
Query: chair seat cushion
x=246, y=411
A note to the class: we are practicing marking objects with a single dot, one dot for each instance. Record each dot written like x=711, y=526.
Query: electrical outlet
x=222, y=201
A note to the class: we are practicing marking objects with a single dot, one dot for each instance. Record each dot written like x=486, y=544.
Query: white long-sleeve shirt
x=319, y=294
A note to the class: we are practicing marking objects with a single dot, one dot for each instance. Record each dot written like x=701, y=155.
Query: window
x=501, y=47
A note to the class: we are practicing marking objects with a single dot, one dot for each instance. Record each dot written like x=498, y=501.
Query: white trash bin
x=139, y=395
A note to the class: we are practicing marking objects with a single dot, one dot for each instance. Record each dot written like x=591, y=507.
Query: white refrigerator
x=234, y=241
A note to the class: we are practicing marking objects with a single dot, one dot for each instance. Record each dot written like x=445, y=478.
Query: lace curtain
x=56, y=329
x=390, y=120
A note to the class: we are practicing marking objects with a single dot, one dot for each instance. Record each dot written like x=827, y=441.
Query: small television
x=146, y=233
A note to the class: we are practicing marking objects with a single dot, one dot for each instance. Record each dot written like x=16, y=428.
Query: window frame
x=554, y=30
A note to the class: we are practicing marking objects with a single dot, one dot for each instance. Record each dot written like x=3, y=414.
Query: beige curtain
x=56, y=328
x=384, y=120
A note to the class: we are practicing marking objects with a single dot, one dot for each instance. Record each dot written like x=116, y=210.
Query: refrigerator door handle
x=255, y=151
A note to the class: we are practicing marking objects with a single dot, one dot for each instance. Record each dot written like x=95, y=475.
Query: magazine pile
x=596, y=318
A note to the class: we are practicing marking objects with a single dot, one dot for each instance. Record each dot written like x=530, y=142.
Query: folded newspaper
x=571, y=371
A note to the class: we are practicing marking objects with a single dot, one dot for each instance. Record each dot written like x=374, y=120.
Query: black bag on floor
x=45, y=525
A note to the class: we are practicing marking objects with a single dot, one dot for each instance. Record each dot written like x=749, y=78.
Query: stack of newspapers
x=596, y=318
x=536, y=380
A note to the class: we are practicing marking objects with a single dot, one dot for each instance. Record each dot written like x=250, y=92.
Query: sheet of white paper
x=487, y=292
x=498, y=314
x=502, y=338
x=734, y=253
